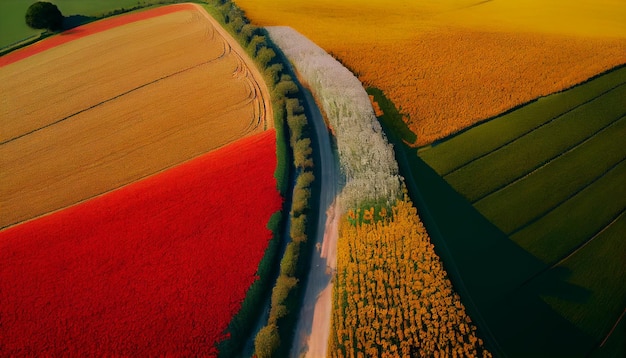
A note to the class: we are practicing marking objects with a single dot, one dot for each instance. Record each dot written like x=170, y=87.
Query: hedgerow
x=294, y=151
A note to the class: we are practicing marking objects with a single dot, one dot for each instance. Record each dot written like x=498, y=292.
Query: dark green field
x=527, y=210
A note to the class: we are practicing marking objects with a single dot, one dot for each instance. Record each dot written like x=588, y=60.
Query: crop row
x=479, y=141
x=578, y=219
x=393, y=297
x=591, y=269
x=534, y=196
x=495, y=170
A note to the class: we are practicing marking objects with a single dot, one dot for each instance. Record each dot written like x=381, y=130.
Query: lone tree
x=44, y=15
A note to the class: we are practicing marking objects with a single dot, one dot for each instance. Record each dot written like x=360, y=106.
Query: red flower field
x=158, y=267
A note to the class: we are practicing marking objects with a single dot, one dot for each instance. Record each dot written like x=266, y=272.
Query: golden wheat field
x=449, y=64
x=105, y=110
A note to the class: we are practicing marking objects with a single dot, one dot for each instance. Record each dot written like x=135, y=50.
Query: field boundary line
x=108, y=191
x=581, y=246
x=606, y=338
x=517, y=107
x=544, y=164
x=114, y=98
x=574, y=251
x=570, y=197
x=531, y=130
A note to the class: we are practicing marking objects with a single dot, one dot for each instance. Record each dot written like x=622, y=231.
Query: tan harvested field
x=105, y=110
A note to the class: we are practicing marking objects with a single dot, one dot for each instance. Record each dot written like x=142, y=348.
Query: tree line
x=295, y=155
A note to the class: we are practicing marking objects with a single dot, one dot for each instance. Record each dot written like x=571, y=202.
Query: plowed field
x=93, y=114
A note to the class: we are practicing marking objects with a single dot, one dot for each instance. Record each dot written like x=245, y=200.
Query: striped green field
x=458, y=150
x=551, y=176
x=603, y=278
x=482, y=176
x=535, y=195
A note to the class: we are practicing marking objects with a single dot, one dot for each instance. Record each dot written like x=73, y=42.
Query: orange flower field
x=393, y=296
x=450, y=64
x=475, y=75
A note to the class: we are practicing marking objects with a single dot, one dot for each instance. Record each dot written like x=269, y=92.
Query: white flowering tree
x=366, y=157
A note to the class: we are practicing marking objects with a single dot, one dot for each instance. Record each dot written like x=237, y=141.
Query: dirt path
x=312, y=330
x=317, y=342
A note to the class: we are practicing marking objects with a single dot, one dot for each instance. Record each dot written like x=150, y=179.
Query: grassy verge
x=537, y=194
x=450, y=154
x=497, y=169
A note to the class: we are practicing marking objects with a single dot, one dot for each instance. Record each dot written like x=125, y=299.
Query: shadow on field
x=72, y=21
x=491, y=273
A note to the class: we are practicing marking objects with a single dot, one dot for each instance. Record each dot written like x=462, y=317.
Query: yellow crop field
x=449, y=64
x=99, y=112
x=392, y=297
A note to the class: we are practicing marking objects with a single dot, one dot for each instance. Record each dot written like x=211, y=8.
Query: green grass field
x=13, y=27
x=490, y=135
x=12, y=24
x=535, y=195
x=527, y=211
x=592, y=270
x=577, y=220
x=480, y=177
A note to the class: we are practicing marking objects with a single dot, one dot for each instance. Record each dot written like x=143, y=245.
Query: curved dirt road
x=313, y=326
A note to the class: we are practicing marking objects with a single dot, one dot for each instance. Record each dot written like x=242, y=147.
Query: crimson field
x=158, y=267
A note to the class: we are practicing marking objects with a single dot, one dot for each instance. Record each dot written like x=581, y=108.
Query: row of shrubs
x=294, y=151
x=275, y=338
x=295, y=156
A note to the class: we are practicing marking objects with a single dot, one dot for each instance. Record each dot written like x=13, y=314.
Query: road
x=313, y=325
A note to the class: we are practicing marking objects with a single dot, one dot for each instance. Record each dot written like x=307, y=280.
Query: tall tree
x=44, y=15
